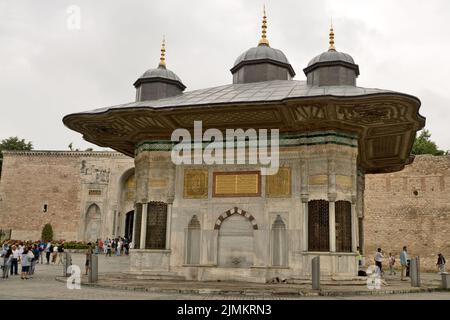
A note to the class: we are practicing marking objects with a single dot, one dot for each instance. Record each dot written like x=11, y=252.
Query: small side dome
x=160, y=72
x=332, y=68
x=158, y=83
x=262, y=63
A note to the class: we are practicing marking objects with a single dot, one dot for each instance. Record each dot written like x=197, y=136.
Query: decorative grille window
x=343, y=226
x=156, y=225
x=318, y=226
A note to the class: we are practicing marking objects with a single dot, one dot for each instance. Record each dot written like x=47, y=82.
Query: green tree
x=13, y=143
x=424, y=145
x=47, y=233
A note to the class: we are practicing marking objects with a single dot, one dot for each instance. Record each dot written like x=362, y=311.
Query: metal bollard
x=67, y=263
x=93, y=268
x=414, y=272
x=315, y=268
x=445, y=280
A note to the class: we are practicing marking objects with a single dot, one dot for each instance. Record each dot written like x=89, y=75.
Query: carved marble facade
x=252, y=237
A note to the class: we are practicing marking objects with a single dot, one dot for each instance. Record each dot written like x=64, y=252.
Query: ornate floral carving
x=373, y=113
x=309, y=112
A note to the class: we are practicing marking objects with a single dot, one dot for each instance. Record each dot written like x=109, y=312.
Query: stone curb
x=262, y=292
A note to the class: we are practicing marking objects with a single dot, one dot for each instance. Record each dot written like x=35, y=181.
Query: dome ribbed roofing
x=160, y=73
x=262, y=52
x=332, y=55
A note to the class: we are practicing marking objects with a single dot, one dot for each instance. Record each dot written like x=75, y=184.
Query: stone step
x=151, y=275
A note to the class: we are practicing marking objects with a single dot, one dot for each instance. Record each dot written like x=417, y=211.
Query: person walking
x=359, y=257
x=7, y=258
x=118, y=247
x=441, y=263
x=48, y=251
x=404, y=262
x=379, y=260
x=108, y=249
x=35, y=259
x=105, y=246
x=88, y=258
x=391, y=264
x=27, y=256
x=41, y=247
x=54, y=254
x=126, y=246
x=14, y=261
x=61, y=253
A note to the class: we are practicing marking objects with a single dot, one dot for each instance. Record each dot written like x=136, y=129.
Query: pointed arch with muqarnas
x=235, y=210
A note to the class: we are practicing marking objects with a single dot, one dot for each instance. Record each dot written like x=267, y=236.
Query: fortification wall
x=412, y=208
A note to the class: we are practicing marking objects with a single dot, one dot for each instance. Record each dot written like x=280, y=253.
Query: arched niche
x=93, y=223
x=279, y=243
x=235, y=241
x=193, y=238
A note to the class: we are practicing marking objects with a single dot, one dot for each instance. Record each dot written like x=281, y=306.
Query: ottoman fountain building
x=229, y=221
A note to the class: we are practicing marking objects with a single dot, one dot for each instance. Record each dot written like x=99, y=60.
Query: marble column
x=332, y=202
x=332, y=223
x=144, y=225
x=354, y=227
x=169, y=222
x=304, y=197
x=305, y=223
x=133, y=237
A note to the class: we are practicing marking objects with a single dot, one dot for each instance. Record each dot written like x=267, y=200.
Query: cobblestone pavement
x=44, y=286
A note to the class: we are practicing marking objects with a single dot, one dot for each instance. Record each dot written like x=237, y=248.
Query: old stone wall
x=59, y=187
x=412, y=208
x=30, y=182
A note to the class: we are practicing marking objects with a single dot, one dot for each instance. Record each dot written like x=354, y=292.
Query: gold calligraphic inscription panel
x=237, y=184
x=344, y=181
x=279, y=185
x=318, y=180
x=196, y=184
x=158, y=183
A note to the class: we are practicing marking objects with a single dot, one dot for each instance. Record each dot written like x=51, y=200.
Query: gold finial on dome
x=263, y=40
x=331, y=37
x=162, y=60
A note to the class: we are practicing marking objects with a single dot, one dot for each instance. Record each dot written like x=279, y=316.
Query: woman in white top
x=54, y=254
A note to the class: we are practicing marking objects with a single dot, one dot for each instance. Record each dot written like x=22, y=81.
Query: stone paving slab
x=390, y=285
x=44, y=286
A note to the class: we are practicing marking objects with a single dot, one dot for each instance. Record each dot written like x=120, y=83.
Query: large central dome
x=263, y=53
x=262, y=63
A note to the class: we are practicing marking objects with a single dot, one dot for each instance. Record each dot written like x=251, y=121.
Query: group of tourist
x=116, y=246
x=13, y=253
x=108, y=247
x=404, y=262
x=28, y=254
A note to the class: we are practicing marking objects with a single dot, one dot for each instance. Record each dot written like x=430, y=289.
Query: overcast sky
x=48, y=70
